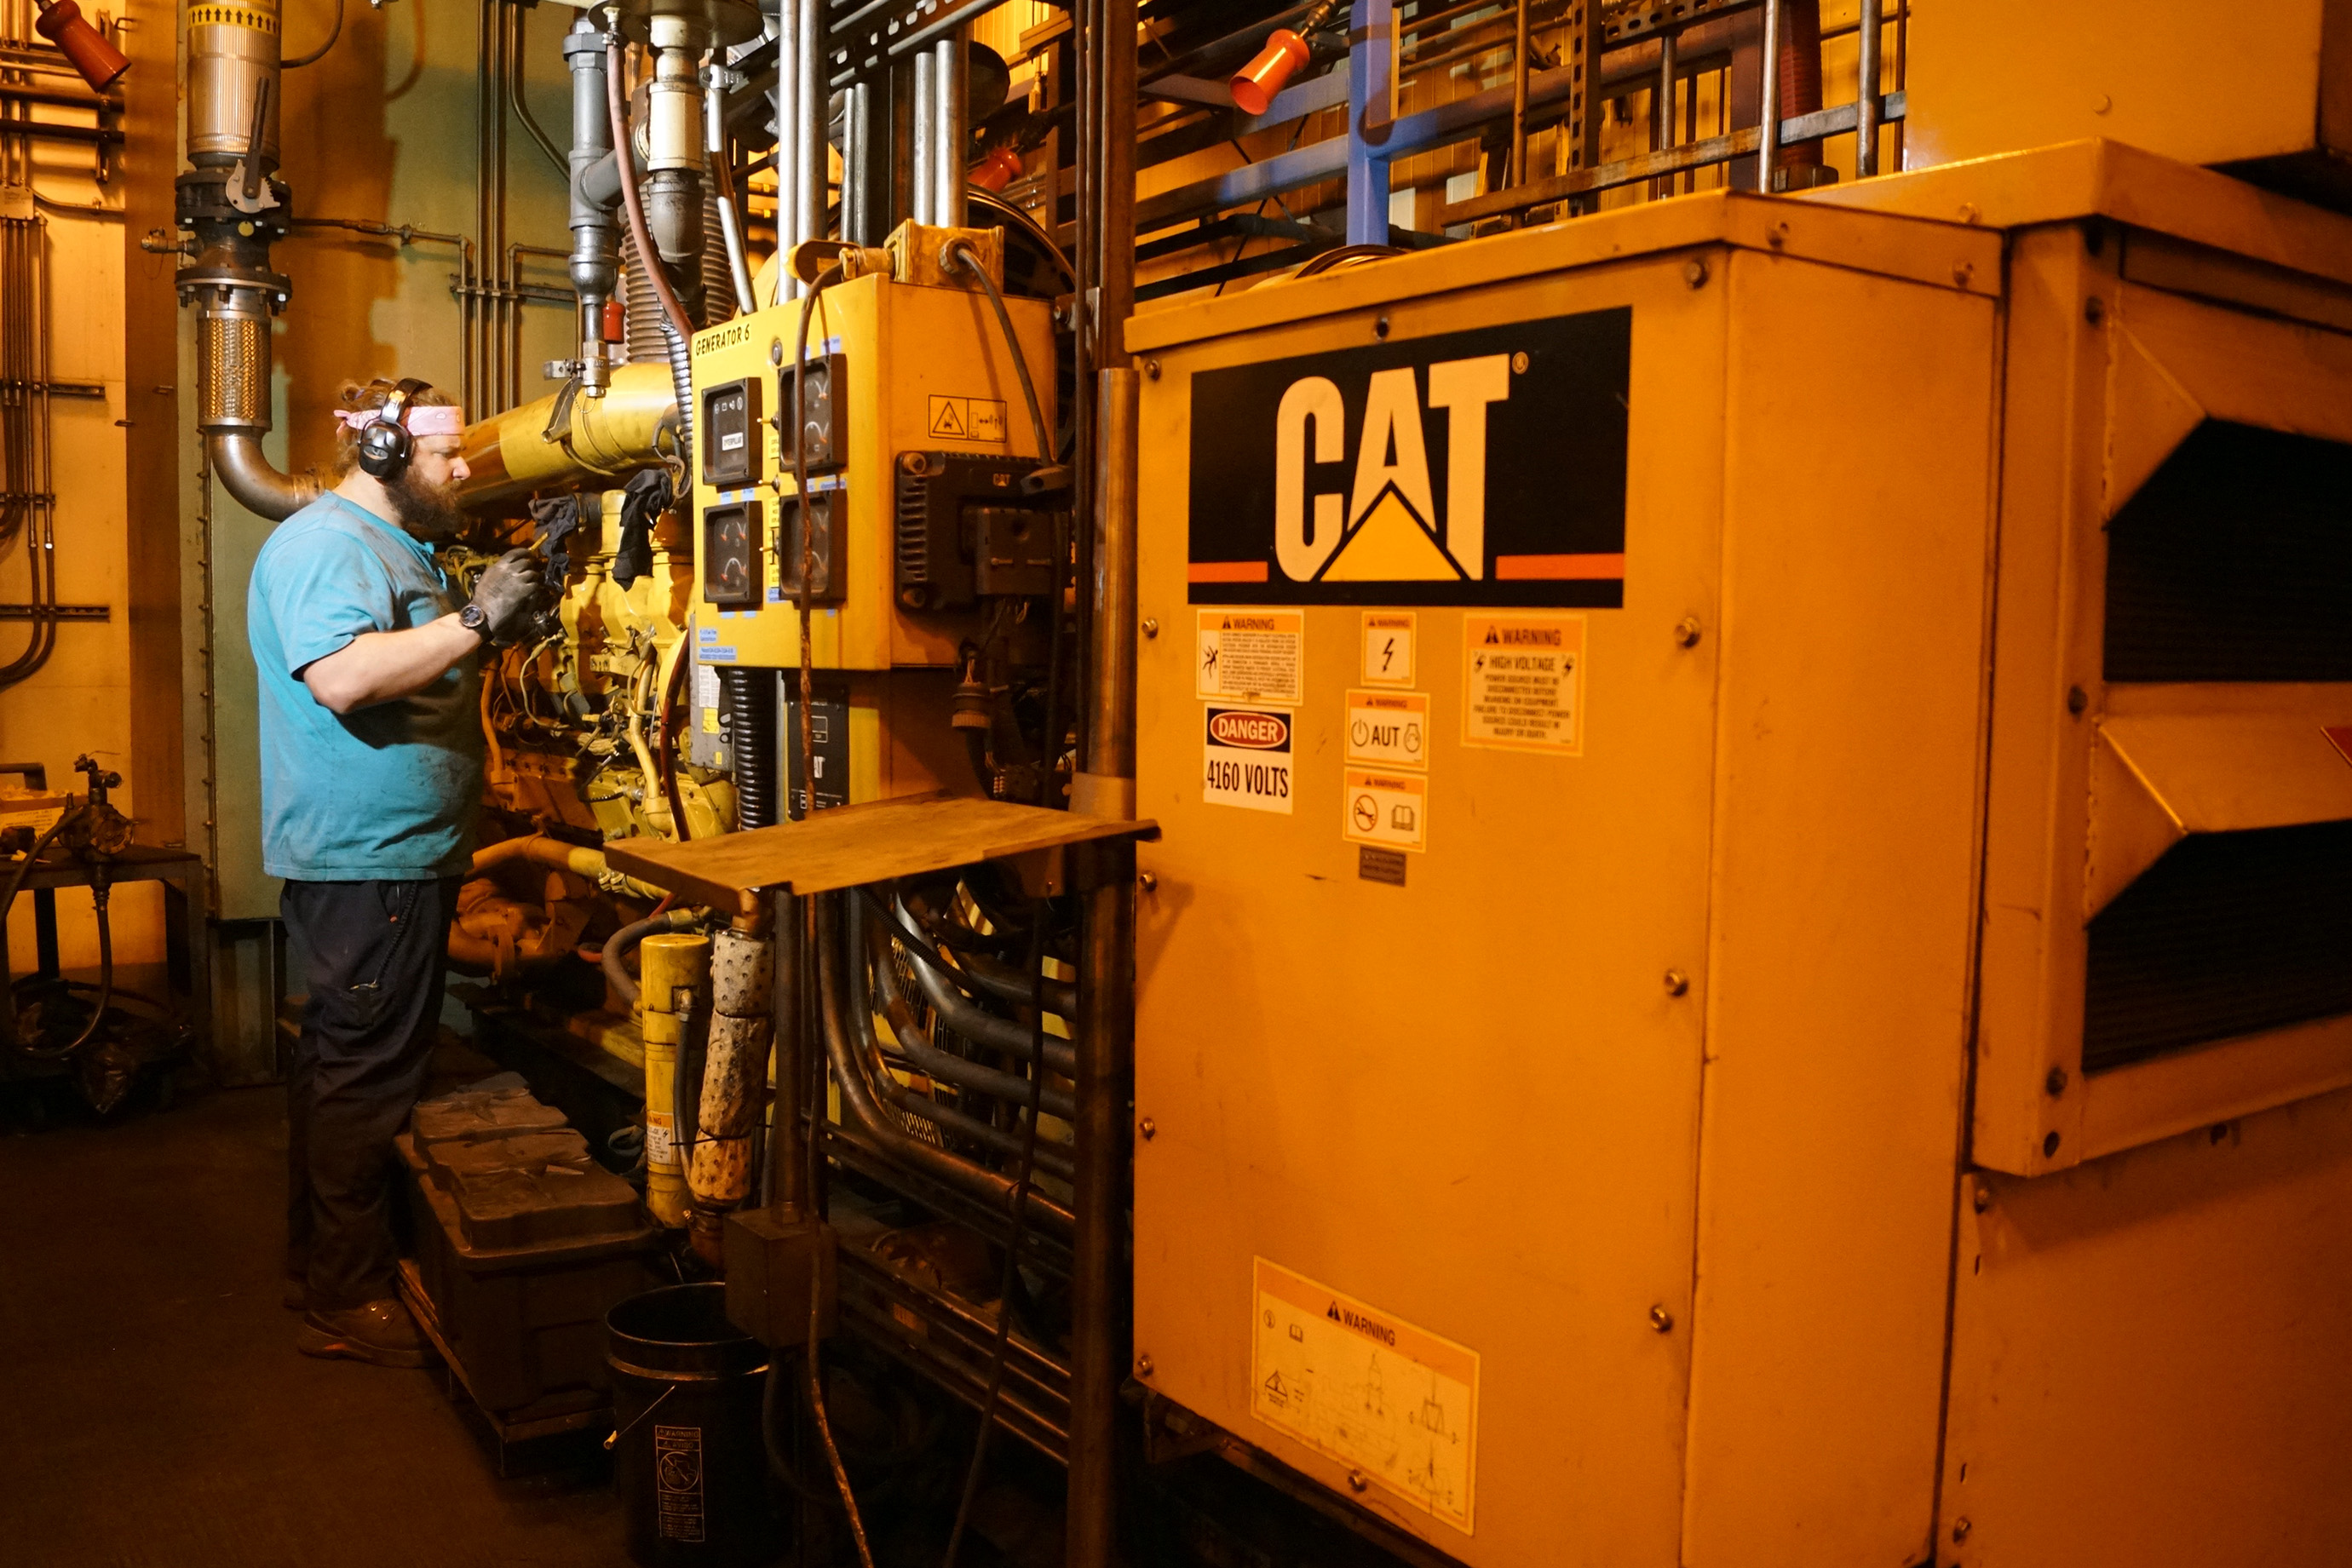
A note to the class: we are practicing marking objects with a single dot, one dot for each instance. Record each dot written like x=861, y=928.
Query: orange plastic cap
x=1255, y=85
x=99, y=62
x=998, y=169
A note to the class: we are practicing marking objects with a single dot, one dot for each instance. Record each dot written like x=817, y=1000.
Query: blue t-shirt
x=385, y=792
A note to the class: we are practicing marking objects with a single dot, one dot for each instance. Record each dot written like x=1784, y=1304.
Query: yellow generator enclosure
x=1590, y=678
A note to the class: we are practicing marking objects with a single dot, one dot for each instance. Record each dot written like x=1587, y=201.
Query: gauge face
x=731, y=447
x=730, y=556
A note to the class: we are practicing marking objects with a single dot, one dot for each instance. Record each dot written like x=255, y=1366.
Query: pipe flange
x=577, y=43
x=728, y=21
x=275, y=286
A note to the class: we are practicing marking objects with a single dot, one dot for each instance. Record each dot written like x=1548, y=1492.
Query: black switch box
x=964, y=530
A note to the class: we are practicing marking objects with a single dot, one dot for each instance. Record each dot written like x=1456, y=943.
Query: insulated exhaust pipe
x=236, y=207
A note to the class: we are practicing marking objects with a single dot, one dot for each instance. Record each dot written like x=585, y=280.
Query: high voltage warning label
x=1258, y=656
x=1524, y=683
x=1367, y=1388
x=967, y=419
x=1248, y=760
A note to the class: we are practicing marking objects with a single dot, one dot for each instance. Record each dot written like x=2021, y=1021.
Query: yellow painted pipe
x=600, y=439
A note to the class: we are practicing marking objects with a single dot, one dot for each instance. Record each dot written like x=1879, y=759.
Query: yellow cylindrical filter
x=675, y=976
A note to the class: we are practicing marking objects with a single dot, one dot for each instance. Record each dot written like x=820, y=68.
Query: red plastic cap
x=1255, y=85
x=998, y=169
x=616, y=323
x=100, y=63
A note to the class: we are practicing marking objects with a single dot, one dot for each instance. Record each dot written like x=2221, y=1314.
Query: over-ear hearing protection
x=386, y=446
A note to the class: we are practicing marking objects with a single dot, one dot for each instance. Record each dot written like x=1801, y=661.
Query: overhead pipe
x=814, y=148
x=595, y=193
x=236, y=207
x=1794, y=68
x=722, y=180
x=951, y=86
x=785, y=124
x=675, y=161
x=923, y=166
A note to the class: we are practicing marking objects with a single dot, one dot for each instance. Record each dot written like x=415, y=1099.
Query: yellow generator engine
x=1754, y=807
x=925, y=427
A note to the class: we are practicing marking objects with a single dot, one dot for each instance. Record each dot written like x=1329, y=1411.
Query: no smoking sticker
x=1391, y=809
x=1388, y=729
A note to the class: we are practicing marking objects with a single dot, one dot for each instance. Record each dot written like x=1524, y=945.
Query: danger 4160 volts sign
x=1248, y=760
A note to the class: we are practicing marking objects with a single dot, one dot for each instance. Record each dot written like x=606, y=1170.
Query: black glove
x=509, y=590
x=643, y=499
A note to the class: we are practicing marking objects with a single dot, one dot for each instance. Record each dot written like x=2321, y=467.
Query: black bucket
x=687, y=1455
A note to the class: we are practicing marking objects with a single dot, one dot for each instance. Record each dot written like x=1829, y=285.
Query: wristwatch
x=473, y=619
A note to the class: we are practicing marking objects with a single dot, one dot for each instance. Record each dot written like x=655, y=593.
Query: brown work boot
x=381, y=1332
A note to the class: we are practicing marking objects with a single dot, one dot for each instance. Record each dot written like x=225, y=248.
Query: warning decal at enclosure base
x=1395, y=1402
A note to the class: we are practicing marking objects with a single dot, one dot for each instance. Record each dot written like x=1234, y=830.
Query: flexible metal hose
x=752, y=745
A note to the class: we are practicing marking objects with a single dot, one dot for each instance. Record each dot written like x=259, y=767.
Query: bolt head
x=2056, y=1083
x=1380, y=328
x=1143, y=1366
x=1677, y=983
x=1146, y=1129
x=1662, y=1320
x=1695, y=272
x=1151, y=370
x=1151, y=627
x=1960, y=1527
x=1148, y=880
x=1982, y=1196
x=1962, y=271
x=1358, y=1481
x=1687, y=631
x=2077, y=699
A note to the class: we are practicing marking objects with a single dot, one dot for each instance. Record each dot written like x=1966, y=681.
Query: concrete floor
x=153, y=1408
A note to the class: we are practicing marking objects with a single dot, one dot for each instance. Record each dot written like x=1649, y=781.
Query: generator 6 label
x=1478, y=468
x=1248, y=762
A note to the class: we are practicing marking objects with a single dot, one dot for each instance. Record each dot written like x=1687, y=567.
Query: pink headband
x=442, y=419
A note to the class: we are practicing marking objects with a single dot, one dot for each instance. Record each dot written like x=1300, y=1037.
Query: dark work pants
x=376, y=953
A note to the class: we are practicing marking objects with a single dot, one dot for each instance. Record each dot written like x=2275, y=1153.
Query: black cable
x=1012, y=1242
x=779, y=1465
x=803, y=599
x=514, y=91
x=315, y=56
x=960, y=251
x=822, y=281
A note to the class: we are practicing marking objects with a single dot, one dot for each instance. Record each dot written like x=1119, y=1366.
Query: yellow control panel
x=911, y=387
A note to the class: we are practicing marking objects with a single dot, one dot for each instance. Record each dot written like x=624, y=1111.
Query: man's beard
x=429, y=511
